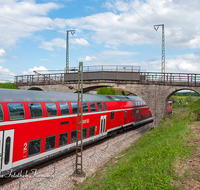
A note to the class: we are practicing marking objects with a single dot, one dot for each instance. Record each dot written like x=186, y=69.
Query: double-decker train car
x=169, y=107
x=37, y=125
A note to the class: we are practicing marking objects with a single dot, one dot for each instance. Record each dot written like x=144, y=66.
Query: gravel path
x=58, y=175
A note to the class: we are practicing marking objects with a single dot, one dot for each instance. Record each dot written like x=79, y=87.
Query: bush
x=106, y=91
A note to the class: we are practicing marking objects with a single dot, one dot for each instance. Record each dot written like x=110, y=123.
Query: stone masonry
x=156, y=96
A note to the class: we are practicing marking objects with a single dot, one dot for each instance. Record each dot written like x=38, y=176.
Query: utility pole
x=163, y=47
x=79, y=134
x=67, y=48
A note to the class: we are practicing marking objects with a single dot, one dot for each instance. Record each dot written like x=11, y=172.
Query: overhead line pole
x=79, y=133
x=67, y=48
x=163, y=47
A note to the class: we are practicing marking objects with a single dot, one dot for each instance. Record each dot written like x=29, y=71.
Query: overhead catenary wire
x=51, y=30
x=149, y=26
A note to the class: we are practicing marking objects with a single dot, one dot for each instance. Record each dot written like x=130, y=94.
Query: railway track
x=48, y=169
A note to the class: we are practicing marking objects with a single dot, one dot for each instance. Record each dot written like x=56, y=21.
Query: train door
x=6, y=149
x=1, y=145
x=136, y=115
x=102, y=125
x=125, y=114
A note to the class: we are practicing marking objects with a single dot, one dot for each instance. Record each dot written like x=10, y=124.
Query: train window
x=105, y=107
x=125, y=113
x=51, y=109
x=35, y=110
x=64, y=108
x=137, y=116
x=74, y=107
x=140, y=117
x=92, y=131
x=136, y=104
x=34, y=147
x=63, y=140
x=132, y=112
x=73, y=136
x=16, y=111
x=112, y=115
x=50, y=142
x=1, y=113
x=92, y=106
x=7, y=151
x=84, y=133
x=143, y=117
x=85, y=107
x=99, y=105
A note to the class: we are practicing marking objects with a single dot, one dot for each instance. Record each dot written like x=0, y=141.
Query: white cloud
x=57, y=42
x=188, y=63
x=37, y=69
x=61, y=43
x=17, y=12
x=79, y=41
x=112, y=47
x=6, y=75
x=88, y=58
x=122, y=25
x=3, y=53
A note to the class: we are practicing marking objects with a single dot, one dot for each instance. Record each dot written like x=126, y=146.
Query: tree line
x=186, y=94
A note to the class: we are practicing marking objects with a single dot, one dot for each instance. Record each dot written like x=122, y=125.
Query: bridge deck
x=174, y=79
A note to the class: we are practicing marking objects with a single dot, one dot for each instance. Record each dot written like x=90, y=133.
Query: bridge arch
x=154, y=95
x=174, y=91
x=195, y=90
x=36, y=88
x=87, y=89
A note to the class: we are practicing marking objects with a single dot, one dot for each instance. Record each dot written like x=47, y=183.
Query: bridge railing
x=185, y=79
x=106, y=75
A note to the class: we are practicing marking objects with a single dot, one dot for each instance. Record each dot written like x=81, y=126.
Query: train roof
x=10, y=95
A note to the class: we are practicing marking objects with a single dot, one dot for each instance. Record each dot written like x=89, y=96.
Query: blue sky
x=107, y=32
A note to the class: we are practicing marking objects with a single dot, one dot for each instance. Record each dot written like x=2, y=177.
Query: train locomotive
x=38, y=125
x=169, y=107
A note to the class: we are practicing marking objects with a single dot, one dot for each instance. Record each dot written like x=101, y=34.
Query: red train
x=38, y=125
x=169, y=107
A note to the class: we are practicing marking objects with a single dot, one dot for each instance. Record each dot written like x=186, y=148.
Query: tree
x=122, y=93
x=107, y=91
x=174, y=99
x=189, y=99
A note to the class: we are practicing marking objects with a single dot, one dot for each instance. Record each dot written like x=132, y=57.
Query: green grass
x=176, y=106
x=148, y=163
x=8, y=85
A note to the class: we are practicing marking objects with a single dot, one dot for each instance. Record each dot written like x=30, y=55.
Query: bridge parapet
x=117, y=76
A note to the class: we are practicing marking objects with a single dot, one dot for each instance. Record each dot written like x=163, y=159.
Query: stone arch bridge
x=156, y=96
x=154, y=88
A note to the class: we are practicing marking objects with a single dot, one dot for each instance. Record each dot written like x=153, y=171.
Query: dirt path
x=189, y=170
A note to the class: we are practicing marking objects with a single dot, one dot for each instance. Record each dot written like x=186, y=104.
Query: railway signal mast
x=67, y=48
x=163, y=47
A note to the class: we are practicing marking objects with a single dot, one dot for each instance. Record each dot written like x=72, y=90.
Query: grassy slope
x=8, y=85
x=148, y=163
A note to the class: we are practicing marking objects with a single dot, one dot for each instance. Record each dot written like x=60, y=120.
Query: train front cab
x=6, y=150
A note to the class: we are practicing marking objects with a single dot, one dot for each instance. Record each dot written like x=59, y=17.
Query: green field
x=148, y=163
x=8, y=85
